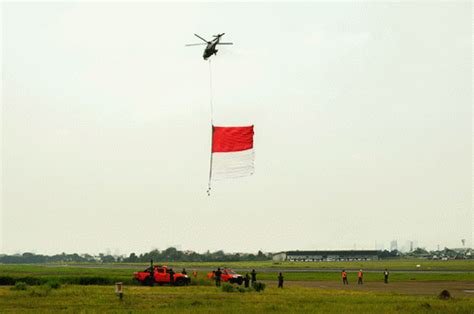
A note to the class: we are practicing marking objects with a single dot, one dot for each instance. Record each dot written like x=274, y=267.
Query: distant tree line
x=174, y=255
x=169, y=255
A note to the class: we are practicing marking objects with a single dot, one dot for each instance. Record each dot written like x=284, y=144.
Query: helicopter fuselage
x=210, y=45
x=210, y=49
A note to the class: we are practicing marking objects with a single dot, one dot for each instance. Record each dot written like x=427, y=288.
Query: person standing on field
x=217, y=275
x=280, y=281
x=151, y=269
x=344, y=277
x=246, y=280
x=359, y=276
x=171, y=276
x=385, y=275
x=254, y=276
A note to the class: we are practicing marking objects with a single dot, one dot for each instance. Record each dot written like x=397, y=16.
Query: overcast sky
x=362, y=115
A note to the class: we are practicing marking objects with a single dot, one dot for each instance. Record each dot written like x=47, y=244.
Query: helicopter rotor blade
x=225, y=43
x=200, y=38
x=198, y=44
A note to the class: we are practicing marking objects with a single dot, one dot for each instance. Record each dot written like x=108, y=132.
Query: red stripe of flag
x=231, y=139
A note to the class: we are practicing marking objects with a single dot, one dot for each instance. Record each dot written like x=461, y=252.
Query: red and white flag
x=232, y=152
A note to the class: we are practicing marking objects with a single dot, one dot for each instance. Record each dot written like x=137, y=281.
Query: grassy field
x=90, y=289
x=395, y=264
x=207, y=299
x=382, y=264
x=108, y=274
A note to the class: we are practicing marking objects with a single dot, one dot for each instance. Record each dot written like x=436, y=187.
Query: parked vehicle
x=161, y=276
x=228, y=275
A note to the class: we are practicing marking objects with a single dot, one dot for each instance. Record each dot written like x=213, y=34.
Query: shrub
x=7, y=281
x=228, y=288
x=444, y=295
x=54, y=284
x=95, y=281
x=74, y=280
x=19, y=286
x=242, y=289
x=10, y=281
x=259, y=286
x=40, y=291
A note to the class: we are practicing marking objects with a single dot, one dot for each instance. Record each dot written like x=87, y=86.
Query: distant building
x=319, y=256
x=279, y=257
x=394, y=245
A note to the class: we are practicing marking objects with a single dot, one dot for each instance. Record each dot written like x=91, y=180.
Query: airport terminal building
x=320, y=256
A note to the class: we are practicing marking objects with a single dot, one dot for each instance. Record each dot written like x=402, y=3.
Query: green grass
x=213, y=300
x=369, y=277
x=204, y=298
x=398, y=264
x=38, y=274
x=392, y=264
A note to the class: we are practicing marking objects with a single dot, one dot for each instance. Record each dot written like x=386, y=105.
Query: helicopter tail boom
x=198, y=44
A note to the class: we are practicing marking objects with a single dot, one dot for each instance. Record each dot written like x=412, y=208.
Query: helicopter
x=211, y=45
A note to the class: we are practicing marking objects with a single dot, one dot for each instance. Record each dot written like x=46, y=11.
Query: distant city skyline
x=391, y=246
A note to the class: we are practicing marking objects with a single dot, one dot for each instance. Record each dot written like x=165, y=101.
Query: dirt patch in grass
x=433, y=288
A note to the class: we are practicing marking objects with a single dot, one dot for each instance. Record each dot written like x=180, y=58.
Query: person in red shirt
x=344, y=277
x=360, y=275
